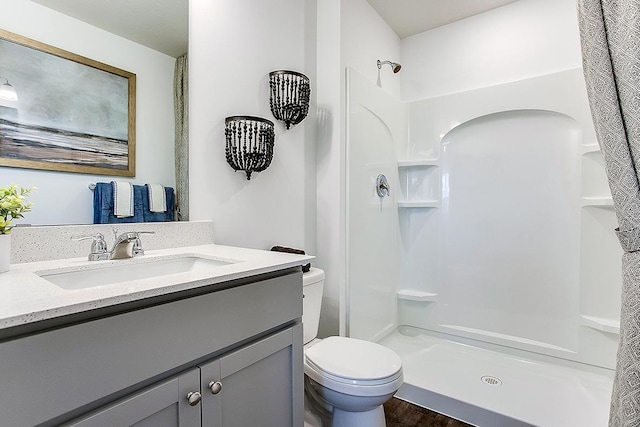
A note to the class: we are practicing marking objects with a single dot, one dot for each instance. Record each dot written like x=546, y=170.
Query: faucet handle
x=137, y=243
x=98, y=239
x=98, y=246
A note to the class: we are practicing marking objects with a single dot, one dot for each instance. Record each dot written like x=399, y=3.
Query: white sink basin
x=118, y=273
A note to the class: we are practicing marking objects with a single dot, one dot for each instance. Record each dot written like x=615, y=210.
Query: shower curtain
x=181, y=109
x=610, y=37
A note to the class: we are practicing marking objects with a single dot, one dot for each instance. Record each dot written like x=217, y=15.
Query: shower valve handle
x=382, y=186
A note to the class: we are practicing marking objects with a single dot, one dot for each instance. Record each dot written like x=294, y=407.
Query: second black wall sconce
x=290, y=92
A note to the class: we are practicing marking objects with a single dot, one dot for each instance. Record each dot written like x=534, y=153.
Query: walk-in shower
x=491, y=268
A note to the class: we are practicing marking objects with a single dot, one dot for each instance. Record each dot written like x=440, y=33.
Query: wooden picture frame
x=73, y=114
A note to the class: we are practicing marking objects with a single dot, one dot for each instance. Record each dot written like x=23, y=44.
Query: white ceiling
x=410, y=17
x=163, y=25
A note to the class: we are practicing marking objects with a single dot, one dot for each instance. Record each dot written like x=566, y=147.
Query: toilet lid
x=353, y=359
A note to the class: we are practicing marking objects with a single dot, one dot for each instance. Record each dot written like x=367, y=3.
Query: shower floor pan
x=488, y=388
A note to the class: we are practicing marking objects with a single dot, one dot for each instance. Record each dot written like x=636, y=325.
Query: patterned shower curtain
x=610, y=37
x=181, y=108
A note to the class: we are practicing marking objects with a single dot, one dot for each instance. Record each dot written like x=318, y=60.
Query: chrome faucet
x=123, y=246
x=127, y=245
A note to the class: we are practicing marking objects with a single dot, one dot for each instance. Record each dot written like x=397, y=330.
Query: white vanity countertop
x=25, y=297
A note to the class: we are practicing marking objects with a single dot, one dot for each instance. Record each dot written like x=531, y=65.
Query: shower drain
x=491, y=380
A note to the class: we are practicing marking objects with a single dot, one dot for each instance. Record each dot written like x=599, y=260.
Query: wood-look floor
x=399, y=413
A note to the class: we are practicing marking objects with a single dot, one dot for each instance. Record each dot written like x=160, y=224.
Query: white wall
x=63, y=198
x=524, y=39
x=366, y=37
x=233, y=45
x=331, y=166
x=330, y=160
x=363, y=38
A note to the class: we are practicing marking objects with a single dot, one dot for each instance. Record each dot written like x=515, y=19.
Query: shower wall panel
x=375, y=125
x=517, y=249
x=510, y=228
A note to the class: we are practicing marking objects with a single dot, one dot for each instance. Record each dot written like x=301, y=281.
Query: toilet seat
x=353, y=366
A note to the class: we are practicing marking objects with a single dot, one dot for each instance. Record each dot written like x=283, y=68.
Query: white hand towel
x=157, y=198
x=122, y=199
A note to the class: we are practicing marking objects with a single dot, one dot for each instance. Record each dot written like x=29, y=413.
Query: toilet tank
x=313, y=283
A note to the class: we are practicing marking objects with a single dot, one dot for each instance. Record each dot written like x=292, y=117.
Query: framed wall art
x=71, y=114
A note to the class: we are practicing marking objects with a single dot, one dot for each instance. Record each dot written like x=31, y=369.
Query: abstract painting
x=73, y=114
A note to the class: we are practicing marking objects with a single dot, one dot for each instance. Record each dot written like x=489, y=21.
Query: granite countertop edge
x=26, y=297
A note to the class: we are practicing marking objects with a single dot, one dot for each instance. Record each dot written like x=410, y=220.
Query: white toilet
x=346, y=379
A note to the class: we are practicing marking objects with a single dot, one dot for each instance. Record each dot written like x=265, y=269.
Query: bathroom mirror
x=144, y=37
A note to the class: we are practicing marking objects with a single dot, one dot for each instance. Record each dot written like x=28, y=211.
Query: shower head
x=394, y=65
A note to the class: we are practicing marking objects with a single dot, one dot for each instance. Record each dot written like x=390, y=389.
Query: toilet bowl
x=346, y=379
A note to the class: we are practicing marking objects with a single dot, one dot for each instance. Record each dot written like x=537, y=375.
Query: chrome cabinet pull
x=194, y=397
x=215, y=387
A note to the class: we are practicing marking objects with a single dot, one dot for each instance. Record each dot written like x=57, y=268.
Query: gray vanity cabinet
x=138, y=367
x=253, y=386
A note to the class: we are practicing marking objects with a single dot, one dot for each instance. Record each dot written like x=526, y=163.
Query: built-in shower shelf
x=417, y=162
x=585, y=149
x=601, y=324
x=411, y=295
x=409, y=204
x=602, y=202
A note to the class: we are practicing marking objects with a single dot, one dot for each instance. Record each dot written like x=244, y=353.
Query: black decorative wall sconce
x=249, y=143
x=290, y=92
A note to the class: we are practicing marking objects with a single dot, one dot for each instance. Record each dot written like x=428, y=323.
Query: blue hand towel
x=168, y=215
x=103, y=205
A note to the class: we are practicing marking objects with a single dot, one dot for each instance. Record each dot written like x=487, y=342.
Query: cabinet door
x=258, y=385
x=162, y=405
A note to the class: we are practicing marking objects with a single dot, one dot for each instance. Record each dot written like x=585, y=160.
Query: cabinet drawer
x=50, y=374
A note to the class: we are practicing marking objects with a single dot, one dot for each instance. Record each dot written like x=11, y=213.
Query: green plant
x=12, y=205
